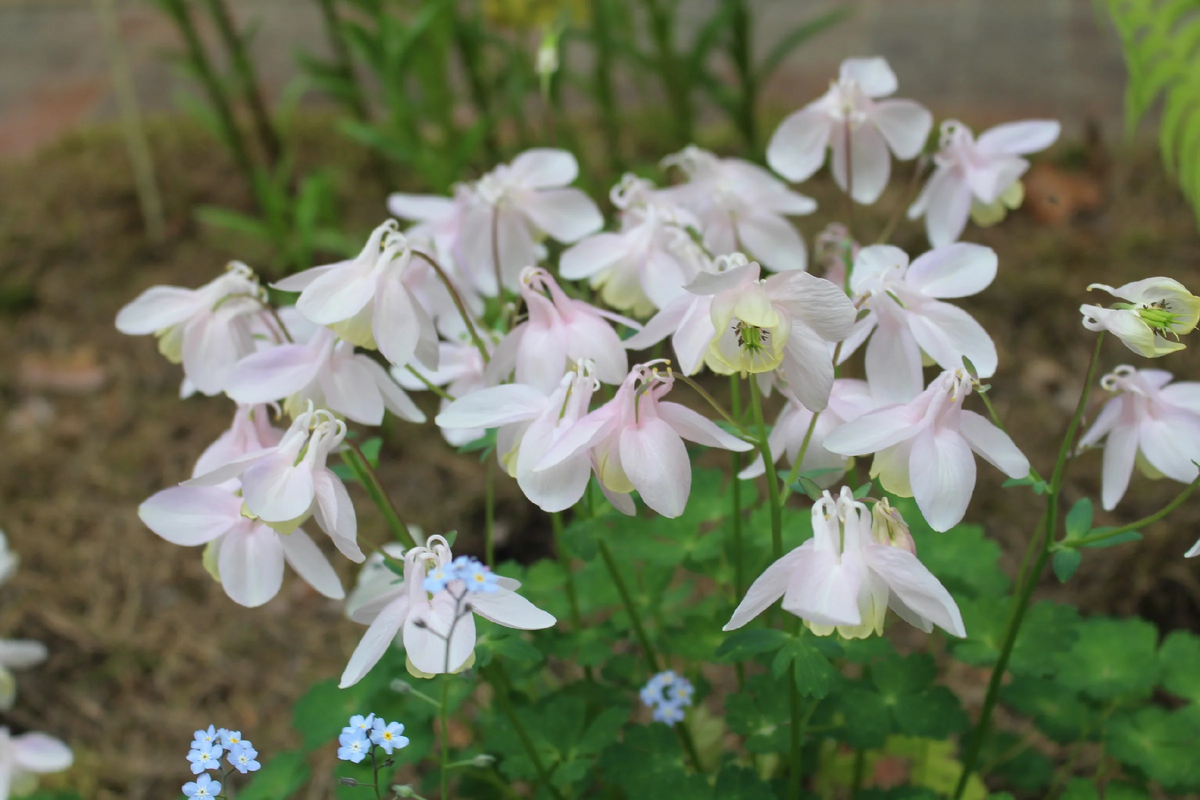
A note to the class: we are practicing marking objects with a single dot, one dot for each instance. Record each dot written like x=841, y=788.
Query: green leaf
x=963, y=559
x=233, y=221
x=1179, y=665
x=741, y=783
x=747, y=642
x=1065, y=563
x=1079, y=519
x=1080, y=789
x=813, y=673
x=1120, y=538
x=370, y=448
x=918, y=707
x=1048, y=632
x=760, y=714
x=1161, y=743
x=808, y=486
x=1060, y=714
x=1111, y=658
x=858, y=715
x=649, y=763
x=279, y=778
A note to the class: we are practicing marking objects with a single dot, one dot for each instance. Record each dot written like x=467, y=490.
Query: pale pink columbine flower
x=461, y=371
x=529, y=423
x=250, y=431
x=923, y=449
x=741, y=207
x=208, y=329
x=848, y=574
x=439, y=222
x=328, y=373
x=23, y=758
x=1150, y=424
x=785, y=322
x=17, y=654
x=637, y=269
x=282, y=487
x=517, y=204
x=1154, y=309
x=908, y=318
x=978, y=175
x=366, y=301
x=852, y=112
x=636, y=444
x=437, y=629
x=849, y=399
x=244, y=554
x=559, y=332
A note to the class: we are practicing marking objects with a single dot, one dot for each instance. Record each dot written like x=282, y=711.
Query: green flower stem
x=910, y=194
x=796, y=743
x=1000, y=424
x=639, y=631
x=773, y=497
x=445, y=795
x=498, y=677
x=433, y=387
x=712, y=401
x=794, y=472
x=735, y=493
x=489, y=512
x=564, y=561
x=1108, y=533
x=362, y=470
x=739, y=53
x=458, y=304
x=375, y=774
x=1025, y=593
x=602, y=84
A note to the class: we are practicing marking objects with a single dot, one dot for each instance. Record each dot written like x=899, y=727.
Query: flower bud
x=483, y=761
x=400, y=686
x=347, y=782
x=889, y=528
x=404, y=790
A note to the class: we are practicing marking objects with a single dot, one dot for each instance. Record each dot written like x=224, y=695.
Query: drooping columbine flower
x=439, y=627
x=1154, y=309
x=559, y=331
x=326, y=372
x=845, y=578
x=785, y=322
x=1148, y=424
x=741, y=207
x=978, y=175
x=923, y=449
x=365, y=300
x=852, y=112
x=250, y=432
x=908, y=318
x=638, y=268
x=461, y=370
x=636, y=444
x=208, y=329
x=848, y=400
x=17, y=654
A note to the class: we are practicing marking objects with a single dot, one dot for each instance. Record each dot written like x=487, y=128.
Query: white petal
x=821, y=304
x=338, y=294
x=311, y=564
x=824, y=589
x=397, y=322
x=510, y=610
x=872, y=262
x=157, y=308
x=905, y=124
x=585, y=259
x=273, y=374
x=656, y=461
x=662, y=324
x=493, y=407
x=1110, y=414
x=591, y=337
x=191, y=515
x=1184, y=395
x=797, y=148
x=873, y=432
x=419, y=206
x=699, y=429
x=772, y=241
x=947, y=333
x=276, y=489
x=992, y=444
x=916, y=587
x=808, y=366
x=394, y=398
x=336, y=517
x=1171, y=443
x=696, y=331
x=1019, y=138
x=251, y=565
x=37, y=752
x=893, y=364
x=302, y=280
x=870, y=163
x=350, y=389
x=429, y=651
x=955, y=270
x=1120, y=452
x=212, y=345
x=873, y=75
x=567, y=215
x=766, y=589
x=942, y=472
x=375, y=641
x=948, y=204
x=541, y=167
x=22, y=653
x=555, y=489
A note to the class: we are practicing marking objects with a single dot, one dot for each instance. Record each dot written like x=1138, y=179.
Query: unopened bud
x=347, y=782
x=403, y=790
x=483, y=761
x=888, y=527
x=400, y=686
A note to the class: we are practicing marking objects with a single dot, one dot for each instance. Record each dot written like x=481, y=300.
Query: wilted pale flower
x=1155, y=308
x=888, y=527
x=844, y=579
x=852, y=111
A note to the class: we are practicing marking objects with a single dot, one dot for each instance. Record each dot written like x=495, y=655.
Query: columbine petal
x=893, y=364
x=905, y=124
x=870, y=163
x=656, y=461
x=955, y=270
x=916, y=587
x=311, y=564
x=493, y=407
x=22, y=653
x=274, y=373
x=824, y=589
x=1020, y=138
x=251, y=564
x=993, y=445
x=773, y=241
x=157, y=308
x=947, y=333
x=276, y=489
x=542, y=167
x=808, y=366
x=797, y=148
x=37, y=752
x=942, y=472
x=350, y=388
x=191, y=515
x=375, y=641
x=947, y=207
x=699, y=429
x=511, y=610
x=873, y=75
x=567, y=215
x=767, y=588
x=1171, y=443
x=426, y=643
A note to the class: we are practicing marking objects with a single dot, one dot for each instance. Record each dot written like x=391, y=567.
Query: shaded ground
x=145, y=648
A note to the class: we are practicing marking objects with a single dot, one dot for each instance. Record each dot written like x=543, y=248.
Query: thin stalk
x=796, y=743
x=1100, y=536
x=458, y=304
x=743, y=62
x=603, y=85
x=375, y=773
x=794, y=472
x=735, y=492
x=564, y=561
x=764, y=447
x=635, y=620
x=905, y=201
x=274, y=312
x=860, y=772
x=496, y=256
x=712, y=401
x=849, y=190
x=243, y=66
x=497, y=676
x=489, y=513
x=358, y=464
x=439, y=391
x=445, y=734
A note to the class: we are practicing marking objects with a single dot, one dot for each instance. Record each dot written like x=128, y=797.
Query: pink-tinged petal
x=1019, y=138
x=947, y=205
x=942, y=472
x=420, y=207
x=1171, y=443
x=510, y=610
x=157, y=308
x=955, y=270
x=990, y=177
x=620, y=501
x=566, y=215
x=893, y=365
x=824, y=589
x=873, y=432
x=579, y=436
x=772, y=241
x=516, y=243
x=365, y=611
x=690, y=342
x=1184, y=396
x=375, y=641
x=230, y=470
x=251, y=564
x=37, y=752
x=302, y=280
x=542, y=167
x=859, y=333
x=1156, y=378
x=872, y=263
x=808, y=366
x=662, y=324
x=212, y=345
x=713, y=283
x=585, y=259
x=1120, y=453
x=766, y=589
x=905, y=124
x=870, y=163
x=397, y=322
x=311, y=564
x=22, y=653
x=947, y=334
x=278, y=490
x=555, y=489
x=542, y=359
x=338, y=294
x=656, y=461
x=916, y=587
x=350, y=389
x=821, y=304
x=993, y=444
x=191, y=515
x=797, y=148
x=335, y=513
x=426, y=644
x=493, y=407
x=699, y=429
x=394, y=398
x=873, y=75
x=274, y=373
x=1110, y=414
x=591, y=337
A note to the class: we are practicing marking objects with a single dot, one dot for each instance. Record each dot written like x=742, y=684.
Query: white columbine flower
x=24, y=757
x=908, y=318
x=208, y=329
x=847, y=576
x=980, y=176
x=741, y=207
x=1154, y=309
x=852, y=110
x=438, y=626
x=923, y=449
x=1148, y=423
x=461, y=370
x=16, y=654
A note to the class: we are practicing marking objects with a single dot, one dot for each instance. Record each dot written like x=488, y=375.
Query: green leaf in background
x=1048, y=632
x=1159, y=742
x=1079, y=519
x=1065, y=563
x=814, y=675
x=760, y=714
x=279, y=778
x=1019, y=765
x=1179, y=665
x=962, y=558
x=649, y=763
x=919, y=708
x=747, y=642
x=1058, y=713
x=1111, y=658
x=1080, y=789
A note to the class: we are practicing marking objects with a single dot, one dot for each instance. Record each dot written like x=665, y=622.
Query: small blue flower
x=203, y=737
x=476, y=576
x=389, y=736
x=437, y=578
x=242, y=758
x=363, y=725
x=668, y=694
x=668, y=713
x=205, y=757
x=354, y=746
x=202, y=788
x=231, y=739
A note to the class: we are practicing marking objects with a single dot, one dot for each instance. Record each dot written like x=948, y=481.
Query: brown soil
x=146, y=648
